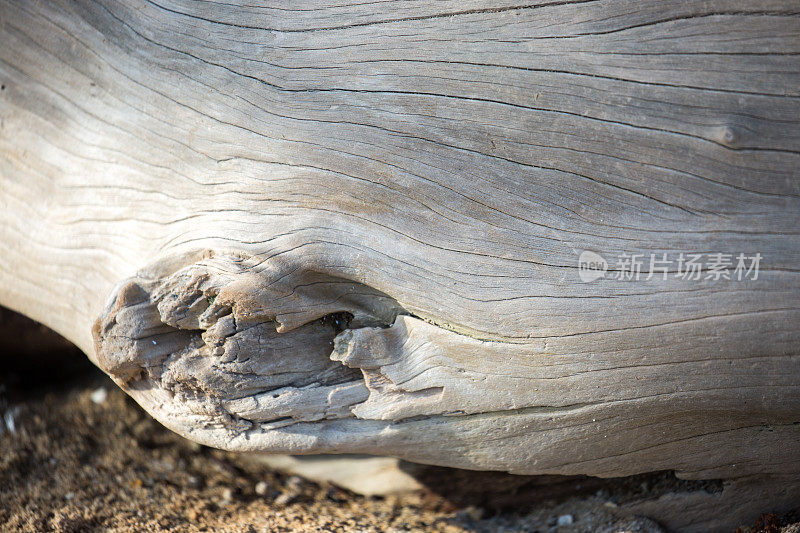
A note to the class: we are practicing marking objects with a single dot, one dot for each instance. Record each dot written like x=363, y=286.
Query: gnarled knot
x=235, y=339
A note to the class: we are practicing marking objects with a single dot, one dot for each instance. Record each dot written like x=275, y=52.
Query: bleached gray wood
x=193, y=191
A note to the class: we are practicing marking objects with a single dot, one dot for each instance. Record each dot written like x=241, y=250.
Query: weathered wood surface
x=207, y=187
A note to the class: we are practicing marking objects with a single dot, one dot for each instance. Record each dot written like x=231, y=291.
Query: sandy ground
x=76, y=454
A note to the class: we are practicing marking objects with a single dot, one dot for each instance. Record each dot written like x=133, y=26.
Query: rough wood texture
x=355, y=227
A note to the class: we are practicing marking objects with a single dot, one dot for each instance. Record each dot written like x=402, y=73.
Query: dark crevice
x=338, y=321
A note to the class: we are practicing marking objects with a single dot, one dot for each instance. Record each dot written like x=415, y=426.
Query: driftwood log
x=334, y=227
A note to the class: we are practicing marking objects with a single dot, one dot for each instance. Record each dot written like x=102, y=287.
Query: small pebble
x=262, y=488
x=285, y=498
x=99, y=395
x=9, y=419
x=564, y=520
x=69, y=496
x=227, y=495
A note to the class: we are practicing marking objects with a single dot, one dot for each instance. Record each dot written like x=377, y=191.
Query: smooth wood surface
x=207, y=187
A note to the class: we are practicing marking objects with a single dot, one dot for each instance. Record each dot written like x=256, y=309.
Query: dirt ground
x=76, y=454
